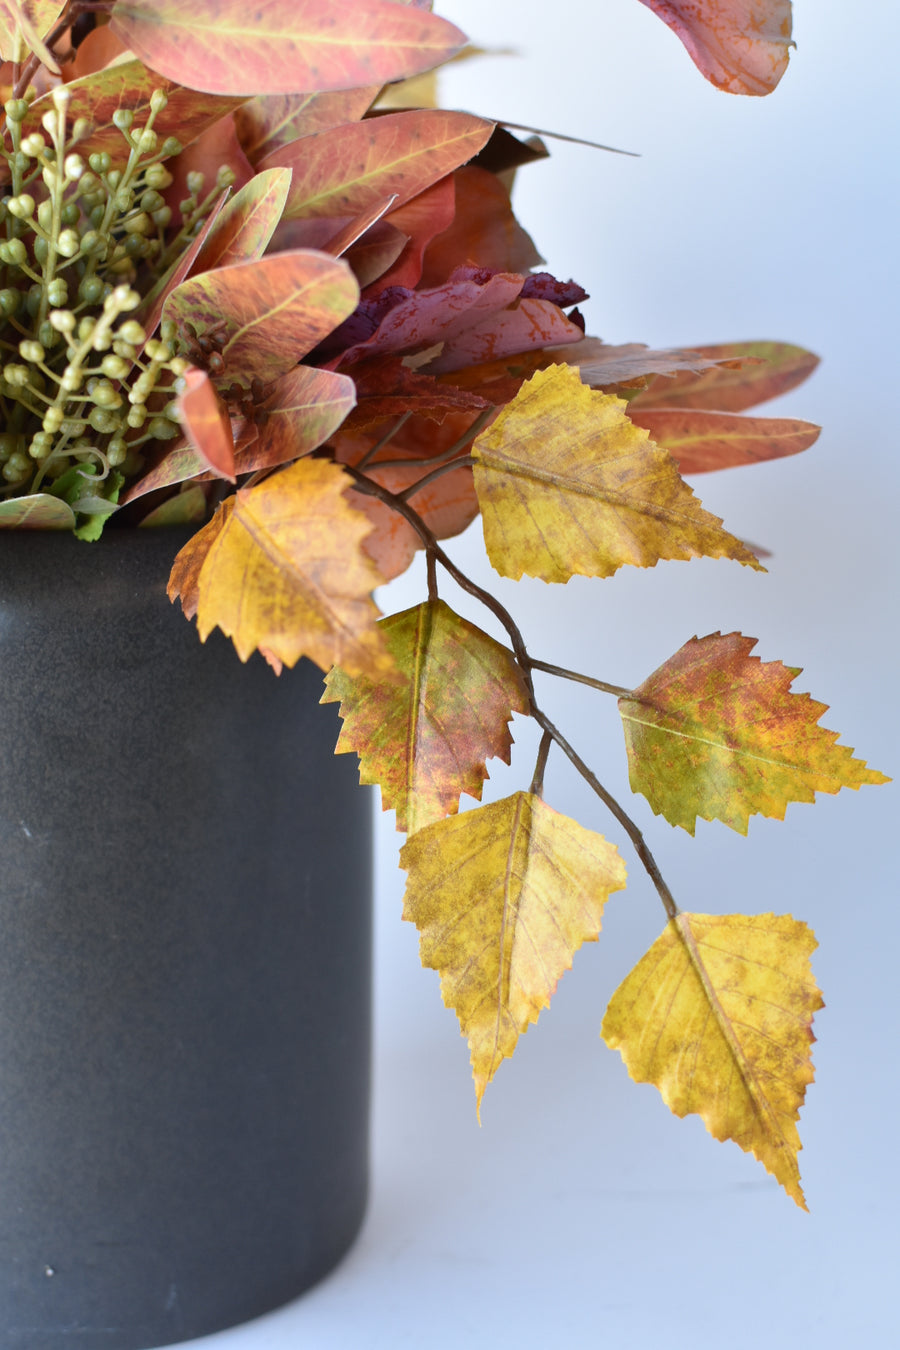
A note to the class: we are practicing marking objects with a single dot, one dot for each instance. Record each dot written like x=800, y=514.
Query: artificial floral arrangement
x=314, y=330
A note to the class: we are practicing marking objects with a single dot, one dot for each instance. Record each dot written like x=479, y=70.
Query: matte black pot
x=185, y=952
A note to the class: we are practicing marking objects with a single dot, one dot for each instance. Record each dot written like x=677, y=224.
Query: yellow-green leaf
x=425, y=738
x=717, y=733
x=281, y=568
x=568, y=484
x=39, y=511
x=503, y=896
x=718, y=1016
x=23, y=26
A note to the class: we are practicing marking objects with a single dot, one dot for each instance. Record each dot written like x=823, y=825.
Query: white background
x=582, y=1213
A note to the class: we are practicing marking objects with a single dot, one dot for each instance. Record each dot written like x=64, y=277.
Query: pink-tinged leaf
x=422, y=318
x=423, y=218
x=701, y=441
x=100, y=48
x=373, y=252
x=183, y=462
x=23, y=26
x=302, y=410
x=267, y=122
x=129, y=86
x=525, y=326
x=151, y=308
x=270, y=312
x=483, y=232
x=741, y=46
x=206, y=423
x=751, y=373
x=283, y=46
x=347, y=169
x=246, y=223
x=40, y=511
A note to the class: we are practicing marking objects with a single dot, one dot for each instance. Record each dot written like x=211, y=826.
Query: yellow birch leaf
x=425, y=738
x=718, y=1016
x=282, y=569
x=503, y=896
x=717, y=733
x=568, y=484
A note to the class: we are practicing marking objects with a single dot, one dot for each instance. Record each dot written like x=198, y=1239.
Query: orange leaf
x=420, y=220
x=184, y=579
x=751, y=373
x=284, y=46
x=349, y=168
x=425, y=738
x=206, y=423
x=274, y=310
x=717, y=733
x=741, y=46
x=700, y=441
x=269, y=121
x=285, y=572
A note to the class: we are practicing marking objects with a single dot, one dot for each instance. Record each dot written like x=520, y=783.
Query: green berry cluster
x=85, y=390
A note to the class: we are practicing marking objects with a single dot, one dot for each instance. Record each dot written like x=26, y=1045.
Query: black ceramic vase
x=184, y=962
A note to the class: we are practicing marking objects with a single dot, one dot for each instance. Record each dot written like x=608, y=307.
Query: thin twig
x=537, y=781
x=459, y=444
x=464, y=462
x=431, y=564
x=379, y=445
x=582, y=679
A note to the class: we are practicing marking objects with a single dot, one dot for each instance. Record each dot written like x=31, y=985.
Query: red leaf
x=741, y=46
x=421, y=219
x=345, y=170
x=752, y=373
x=206, y=423
x=701, y=441
x=483, y=232
x=284, y=46
x=386, y=389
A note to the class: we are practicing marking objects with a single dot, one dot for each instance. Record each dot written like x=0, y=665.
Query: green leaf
x=40, y=511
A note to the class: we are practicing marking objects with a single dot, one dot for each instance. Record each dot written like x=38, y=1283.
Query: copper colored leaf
x=246, y=222
x=420, y=220
x=717, y=733
x=345, y=170
x=283, y=46
x=751, y=373
x=425, y=739
x=741, y=46
x=567, y=484
x=718, y=1016
x=206, y=423
x=484, y=231
x=269, y=121
x=503, y=896
x=301, y=411
x=375, y=253
x=603, y=365
x=700, y=441
x=386, y=390
x=285, y=572
x=357, y=226
x=150, y=310
x=274, y=310
x=129, y=85
x=40, y=511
